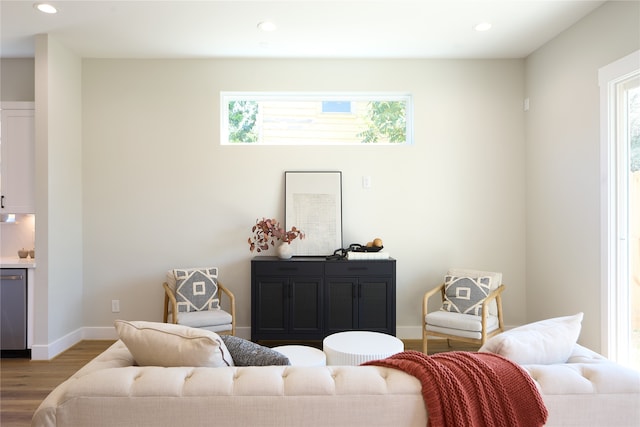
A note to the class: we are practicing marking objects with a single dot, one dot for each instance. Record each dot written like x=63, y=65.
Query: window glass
x=315, y=119
x=336, y=106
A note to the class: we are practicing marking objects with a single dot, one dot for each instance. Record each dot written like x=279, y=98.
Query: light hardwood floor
x=25, y=383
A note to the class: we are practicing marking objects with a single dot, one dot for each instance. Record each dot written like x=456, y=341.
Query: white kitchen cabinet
x=17, y=161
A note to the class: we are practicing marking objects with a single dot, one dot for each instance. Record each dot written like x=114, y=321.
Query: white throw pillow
x=166, y=344
x=543, y=343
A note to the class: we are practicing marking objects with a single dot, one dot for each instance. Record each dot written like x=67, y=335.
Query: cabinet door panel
x=306, y=310
x=374, y=305
x=341, y=305
x=18, y=160
x=272, y=305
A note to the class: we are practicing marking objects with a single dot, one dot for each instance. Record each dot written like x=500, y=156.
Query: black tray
x=368, y=249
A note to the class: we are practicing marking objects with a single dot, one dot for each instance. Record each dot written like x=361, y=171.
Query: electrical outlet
x=115, y=306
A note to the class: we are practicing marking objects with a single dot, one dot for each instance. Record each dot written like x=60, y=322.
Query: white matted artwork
x=313, y=203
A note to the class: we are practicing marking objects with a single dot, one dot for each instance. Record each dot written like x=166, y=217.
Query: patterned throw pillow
x=464, y=294
x=197, y=289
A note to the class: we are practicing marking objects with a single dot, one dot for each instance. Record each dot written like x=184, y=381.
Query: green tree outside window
x=386, y=122
x=242, y=121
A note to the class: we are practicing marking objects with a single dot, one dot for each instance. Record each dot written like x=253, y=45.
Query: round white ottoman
x=356, y=347
x=302, y=355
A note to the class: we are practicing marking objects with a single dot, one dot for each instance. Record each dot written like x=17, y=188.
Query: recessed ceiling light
x=483, y=26
x=45, y=7
x=266, y=26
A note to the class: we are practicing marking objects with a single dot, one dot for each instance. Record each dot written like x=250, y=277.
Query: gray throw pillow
x=197, y=289
x=465, y=294
x=247, y=353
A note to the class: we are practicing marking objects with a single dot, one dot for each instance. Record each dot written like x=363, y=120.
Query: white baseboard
x=49, y=351
x=99, y=333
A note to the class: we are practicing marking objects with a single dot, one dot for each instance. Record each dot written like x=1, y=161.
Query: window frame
x=228, y=96
x=614, y=248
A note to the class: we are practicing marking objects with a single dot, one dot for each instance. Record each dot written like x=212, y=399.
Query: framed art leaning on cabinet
x=313, y=203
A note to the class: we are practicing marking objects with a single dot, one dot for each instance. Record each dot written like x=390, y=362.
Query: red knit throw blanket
x=472, y=389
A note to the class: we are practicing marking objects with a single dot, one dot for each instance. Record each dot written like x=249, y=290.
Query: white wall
x=563, y=164
x=160, y=192
x=59, y=287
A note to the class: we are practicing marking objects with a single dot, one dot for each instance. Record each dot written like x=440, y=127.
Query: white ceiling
x=306, y=28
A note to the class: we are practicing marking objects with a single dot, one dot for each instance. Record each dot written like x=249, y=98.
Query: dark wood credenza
x=308, y=298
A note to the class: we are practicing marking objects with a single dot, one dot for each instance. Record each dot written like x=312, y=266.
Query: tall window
x=633, y=129
x=315, y=119
x=620, y=111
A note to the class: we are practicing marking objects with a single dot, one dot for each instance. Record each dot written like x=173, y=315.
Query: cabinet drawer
x=287, y=268
x=357, y=268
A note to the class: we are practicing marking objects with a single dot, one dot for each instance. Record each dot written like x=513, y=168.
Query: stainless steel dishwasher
x=13, y=312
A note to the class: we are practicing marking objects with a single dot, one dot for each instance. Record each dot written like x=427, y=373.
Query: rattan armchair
x=469, y=328
x=220, y=320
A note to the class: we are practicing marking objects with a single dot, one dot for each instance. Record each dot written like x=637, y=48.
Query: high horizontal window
x=270, y=118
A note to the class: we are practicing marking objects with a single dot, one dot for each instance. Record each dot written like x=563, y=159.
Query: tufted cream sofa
x=588, y=390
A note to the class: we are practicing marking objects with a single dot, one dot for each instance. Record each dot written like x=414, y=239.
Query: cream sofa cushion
x=461, y=325
x=209, y=319
x=166, y=344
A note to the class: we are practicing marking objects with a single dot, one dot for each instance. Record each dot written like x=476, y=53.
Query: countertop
x=15, y=262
